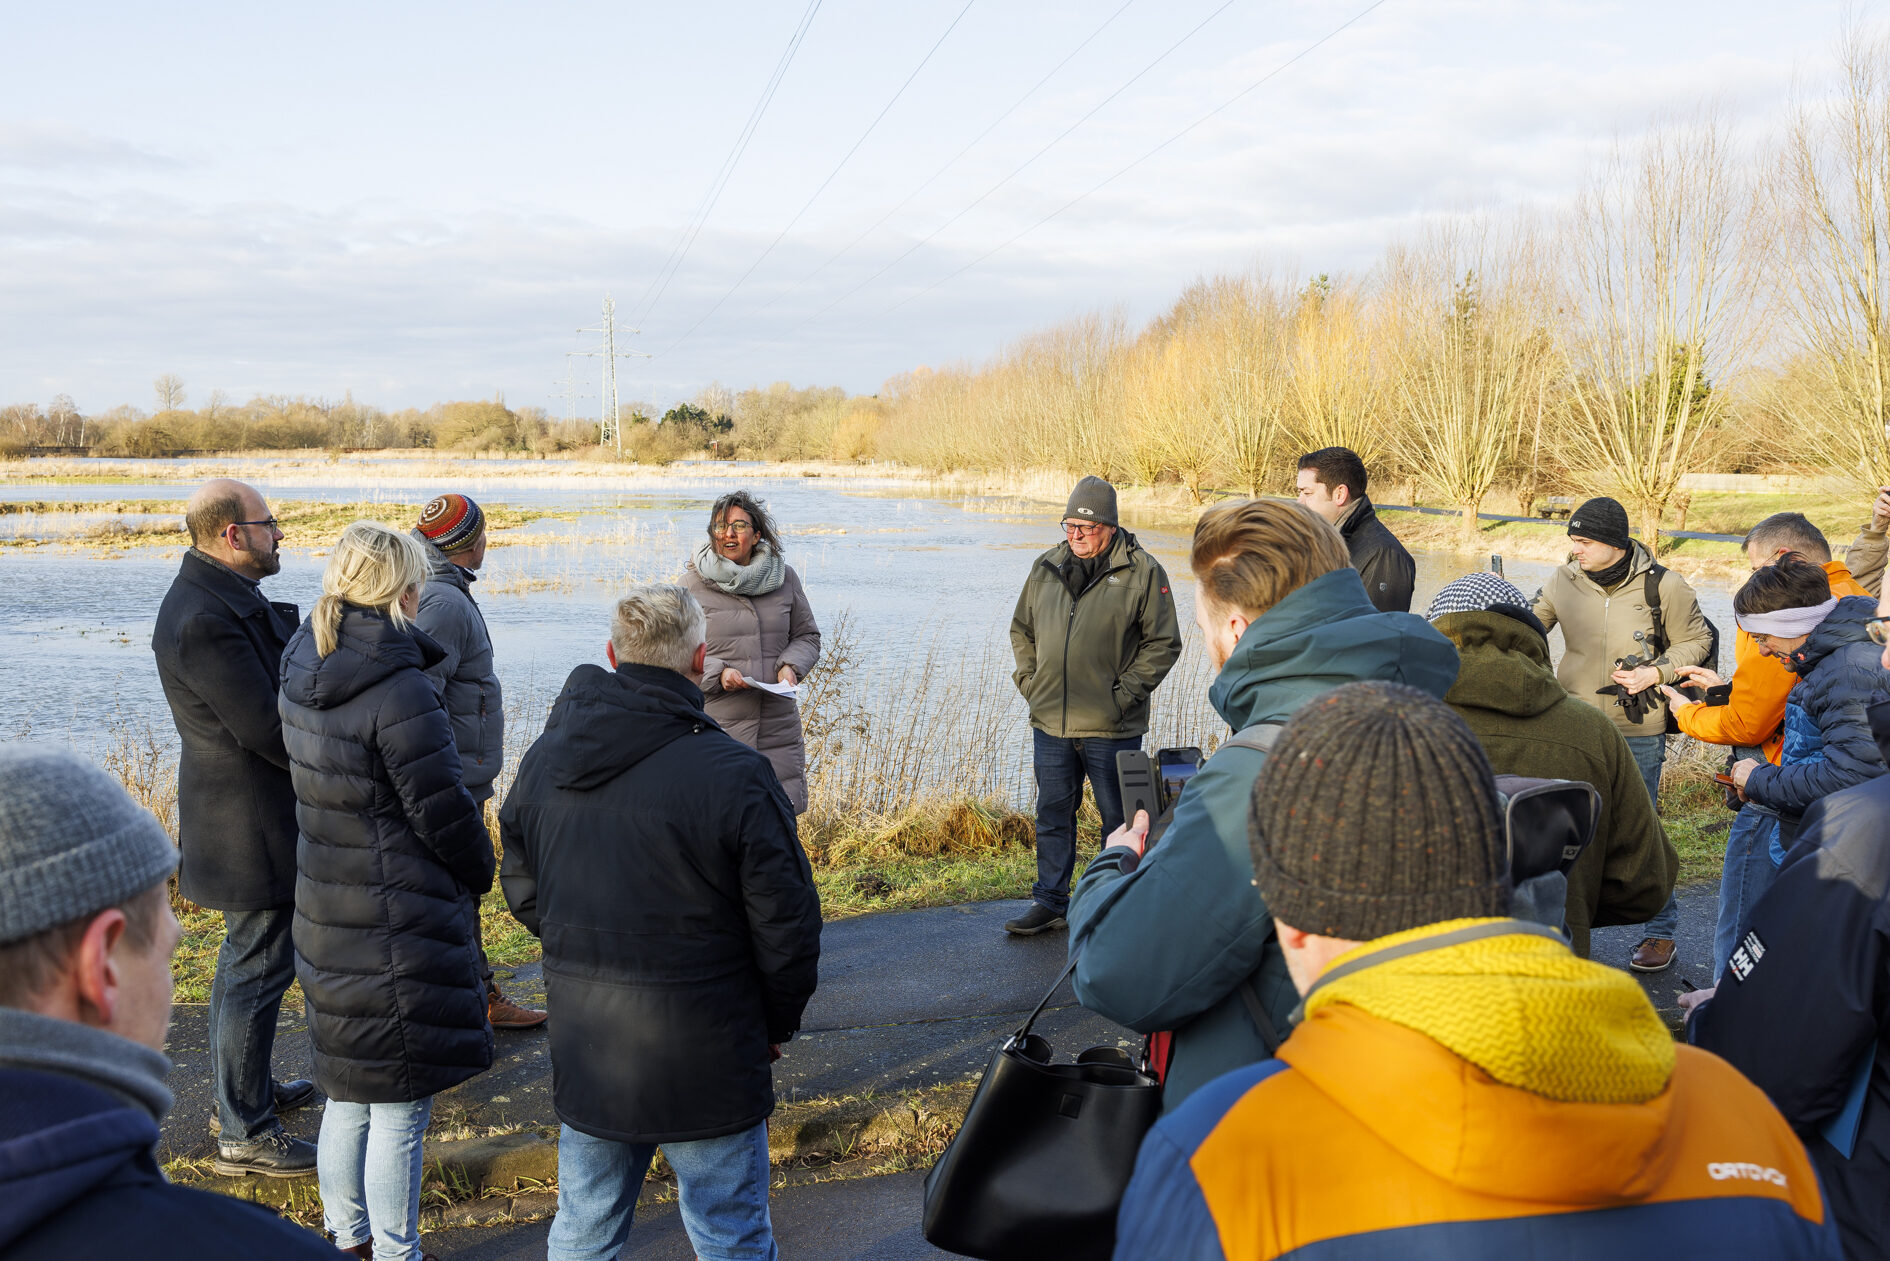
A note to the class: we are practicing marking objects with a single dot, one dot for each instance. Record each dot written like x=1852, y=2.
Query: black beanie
x=1093, y=501
x=1602, y=520
x=1377, y=812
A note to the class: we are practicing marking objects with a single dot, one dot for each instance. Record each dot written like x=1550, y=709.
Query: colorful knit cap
x=452, y=523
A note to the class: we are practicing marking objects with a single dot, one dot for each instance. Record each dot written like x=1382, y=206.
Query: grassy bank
x=159, y=523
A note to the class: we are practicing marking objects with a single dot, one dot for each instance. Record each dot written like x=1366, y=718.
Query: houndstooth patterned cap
x=1476, y=591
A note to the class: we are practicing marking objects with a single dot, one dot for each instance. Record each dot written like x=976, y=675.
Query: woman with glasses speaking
x=761, y=635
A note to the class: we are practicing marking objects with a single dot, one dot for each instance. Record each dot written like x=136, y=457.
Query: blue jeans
x=1748, y=873
x=722, y=1184
x=1061, y=766
x=368, y=1163
x=1650, y=752
x=255, y=966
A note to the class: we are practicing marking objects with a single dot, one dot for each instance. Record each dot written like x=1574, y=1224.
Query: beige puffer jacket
x=1598, y=629
x=757, y=635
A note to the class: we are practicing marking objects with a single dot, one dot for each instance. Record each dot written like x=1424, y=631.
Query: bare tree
x=1469, y=360
x=1831, y=192
x=1655, y=257
x=1339, y=384
x=169, y=389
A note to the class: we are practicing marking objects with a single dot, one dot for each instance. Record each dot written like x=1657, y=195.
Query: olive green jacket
x=1598, y=629
x=1088, y=663
x=1529, y=725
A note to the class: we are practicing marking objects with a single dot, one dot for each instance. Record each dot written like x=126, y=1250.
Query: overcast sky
x=424, y=202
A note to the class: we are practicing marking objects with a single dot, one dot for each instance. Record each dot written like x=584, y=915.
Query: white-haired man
x=684, y=943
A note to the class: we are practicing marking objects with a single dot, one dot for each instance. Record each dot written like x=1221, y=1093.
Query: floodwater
x=921, y=579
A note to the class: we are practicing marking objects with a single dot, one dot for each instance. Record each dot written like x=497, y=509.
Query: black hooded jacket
x=392, y=858
x=78, y=1180
x=1803, y=1008
x=656, y=858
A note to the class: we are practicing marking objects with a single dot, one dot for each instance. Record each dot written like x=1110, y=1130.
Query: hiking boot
x=274, y=1155
x=290, y=1095
x=1038, y=919
x=1655, y=954
x=506, y=1014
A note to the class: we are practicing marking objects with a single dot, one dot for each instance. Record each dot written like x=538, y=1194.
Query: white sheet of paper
x=789, y=690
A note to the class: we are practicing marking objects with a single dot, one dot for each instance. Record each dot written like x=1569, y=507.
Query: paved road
x=866, y=1219
x=906, y=999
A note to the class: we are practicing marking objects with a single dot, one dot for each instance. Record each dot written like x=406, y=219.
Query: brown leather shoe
x=363, y=1250
x=506, y=1014
x=1655, y=954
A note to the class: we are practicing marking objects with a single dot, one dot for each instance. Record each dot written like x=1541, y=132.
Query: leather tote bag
x=1045, y=1152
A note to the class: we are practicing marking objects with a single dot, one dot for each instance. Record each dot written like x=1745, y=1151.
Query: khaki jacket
x=1598, y=629
x=1089, y=663
x=1866, y=559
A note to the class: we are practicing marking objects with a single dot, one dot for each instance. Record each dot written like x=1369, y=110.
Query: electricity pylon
x=610, y=429
x=569, y=389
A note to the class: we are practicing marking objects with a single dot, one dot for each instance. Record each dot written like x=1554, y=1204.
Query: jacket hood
x=1845, y=624
x=1505, y=664
x=1446, y=1054
x=604, y=721
x=59, y=1142
x=1324, y=635
x=440, y=566
x=368, y=650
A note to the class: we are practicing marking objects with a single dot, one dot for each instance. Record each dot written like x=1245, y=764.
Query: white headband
x=1788, y=623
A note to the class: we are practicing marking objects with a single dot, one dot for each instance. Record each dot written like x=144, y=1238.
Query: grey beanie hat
x=1093, y=500
x=72, y=841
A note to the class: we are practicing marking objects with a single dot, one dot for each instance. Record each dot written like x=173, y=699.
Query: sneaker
x=1038, y=919
x=1655, y=954
x=274, y=1155
x=506, y=1014
x=290, y=1095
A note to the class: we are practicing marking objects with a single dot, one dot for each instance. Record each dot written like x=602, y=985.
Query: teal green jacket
x=1166, y=943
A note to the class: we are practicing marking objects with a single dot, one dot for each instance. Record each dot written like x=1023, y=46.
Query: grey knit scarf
x=764, y=572
x=127, y=1069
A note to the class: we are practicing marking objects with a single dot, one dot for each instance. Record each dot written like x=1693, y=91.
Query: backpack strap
x=1654, y=576
x=1262, y=736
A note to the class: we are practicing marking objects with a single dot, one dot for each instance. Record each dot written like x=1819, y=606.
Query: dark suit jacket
x=219, y=652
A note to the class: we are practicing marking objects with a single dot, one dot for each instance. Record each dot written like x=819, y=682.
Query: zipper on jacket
x=1069, y=628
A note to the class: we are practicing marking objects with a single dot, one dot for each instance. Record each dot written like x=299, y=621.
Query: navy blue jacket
x=392, y=860
x=78, y=1180
x=1805, y=999
x=1828, y=745
x=656, y=857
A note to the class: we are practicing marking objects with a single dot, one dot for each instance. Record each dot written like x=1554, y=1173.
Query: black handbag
x=1039, y=1166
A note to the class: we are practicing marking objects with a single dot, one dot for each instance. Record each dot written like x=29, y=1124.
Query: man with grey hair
x=663, y=853
x=86, y=937
x=219, y=642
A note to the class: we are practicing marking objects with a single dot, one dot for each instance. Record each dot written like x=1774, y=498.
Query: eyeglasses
x=1082, y=531
x=271, y=522
x=1879, y=633
x=732, y=527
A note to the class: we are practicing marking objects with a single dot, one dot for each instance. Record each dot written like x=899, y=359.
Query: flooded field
x=926, y=583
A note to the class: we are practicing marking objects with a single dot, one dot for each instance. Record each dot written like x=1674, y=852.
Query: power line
x=1244, y=92
x=928, y=237
x=659, y=283
x=823, y=184
x=931, y=179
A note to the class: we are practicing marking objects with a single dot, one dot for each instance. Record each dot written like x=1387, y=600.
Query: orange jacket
x=1756, y=712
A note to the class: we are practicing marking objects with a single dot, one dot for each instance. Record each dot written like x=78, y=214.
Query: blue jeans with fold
x=722, y=1186
x=255, y=966
x=369, y=1163
x=1748, y=873
x=1061, y=766
x=1650, y=753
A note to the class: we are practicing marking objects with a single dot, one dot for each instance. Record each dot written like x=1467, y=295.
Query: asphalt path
x=863, y=1219
x=907, y=999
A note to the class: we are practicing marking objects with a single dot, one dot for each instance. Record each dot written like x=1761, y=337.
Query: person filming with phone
x=1175, y=937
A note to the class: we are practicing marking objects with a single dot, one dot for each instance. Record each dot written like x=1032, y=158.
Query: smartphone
x=1176, y=767
x=1721, y=777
